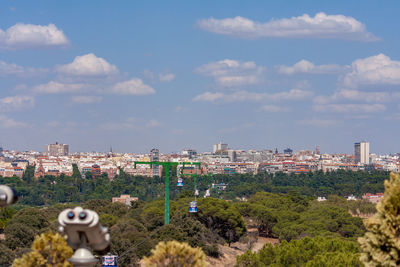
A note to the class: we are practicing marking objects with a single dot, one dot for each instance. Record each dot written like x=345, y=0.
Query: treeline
x=50, y=190
x=341, y=183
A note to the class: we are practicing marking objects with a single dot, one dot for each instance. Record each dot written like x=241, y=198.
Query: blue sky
x=177, y=74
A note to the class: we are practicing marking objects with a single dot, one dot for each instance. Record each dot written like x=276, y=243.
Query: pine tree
x=175, y=254
x=380, y=246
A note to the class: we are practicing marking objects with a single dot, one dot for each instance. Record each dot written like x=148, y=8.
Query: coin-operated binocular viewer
x=84, y=232
x=8, y=196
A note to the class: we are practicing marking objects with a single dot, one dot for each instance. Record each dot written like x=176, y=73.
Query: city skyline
x=137, y=76
x=59, y=149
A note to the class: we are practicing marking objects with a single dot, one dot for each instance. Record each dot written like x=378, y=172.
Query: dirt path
x=229, y=254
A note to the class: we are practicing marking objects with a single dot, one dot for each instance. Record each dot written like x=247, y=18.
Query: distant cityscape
x=57, y=160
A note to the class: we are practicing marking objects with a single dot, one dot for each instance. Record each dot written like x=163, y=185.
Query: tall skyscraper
x=361, y=152
x=57, y=150
x=155, y=156
x=220, y=147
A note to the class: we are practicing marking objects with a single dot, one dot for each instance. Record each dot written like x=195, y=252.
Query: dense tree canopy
x=292, y=216
x=318, y=251
x=64, y=189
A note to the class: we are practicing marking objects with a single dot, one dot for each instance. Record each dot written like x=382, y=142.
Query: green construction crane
x=167, y=167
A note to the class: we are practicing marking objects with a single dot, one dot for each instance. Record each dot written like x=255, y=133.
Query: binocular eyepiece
x=8, y=196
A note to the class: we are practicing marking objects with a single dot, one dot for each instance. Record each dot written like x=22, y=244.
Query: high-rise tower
x=361, y=152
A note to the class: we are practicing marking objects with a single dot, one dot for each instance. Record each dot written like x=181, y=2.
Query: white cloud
x=88, y=65
x=22, y=36
x=18, y=102
x=6, y=122
x=350, y=108
x=209, y=97
x=11, y=69
x=83, y=99
x=274, y=108
x=355, y=95
x=319, y=122
x=374, y=70
x=133, y=87
x=168, y=77
x=304, y=66
x=129, y=123
x=230, y=72
x=241, y=96
x=53, y=87
x=153, y=124
x=319, y=26
x=237, y=128
x=179, y=109
x=148, y=74
x=20, y=71
x=293, y=94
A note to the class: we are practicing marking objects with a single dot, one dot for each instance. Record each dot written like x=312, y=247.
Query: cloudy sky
x=177, y=74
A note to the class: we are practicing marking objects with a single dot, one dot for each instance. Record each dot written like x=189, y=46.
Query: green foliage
x=173, y=253
x=50, y=190
x=381, y=244
x=124, y=235
x=308, y=251
x=189, y=230
x=6, y=255
x=29, y=174
x=24, y=225
x=221, y=217
x=6, y=214
x=75, y=171
x=18, y=235
x=32, y=217
x=292, y=216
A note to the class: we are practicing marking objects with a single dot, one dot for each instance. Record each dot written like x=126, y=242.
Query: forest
x=50, y=190
x=137, y=229
x=279, y=206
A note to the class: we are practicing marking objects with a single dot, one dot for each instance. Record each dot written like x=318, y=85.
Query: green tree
x=380, y=246
x=18, y=235
x=6, y=214
x=6, y=255
x=174, y=253
x=308, y=251
x=29, y=174
x=221, y=217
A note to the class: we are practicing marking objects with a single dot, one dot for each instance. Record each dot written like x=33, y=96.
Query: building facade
x=220, y=147
x=361, y=152
x=57, y=150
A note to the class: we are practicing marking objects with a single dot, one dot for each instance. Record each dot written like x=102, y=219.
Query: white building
x=220, y=147
x=361, y=152
x=57, y=150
